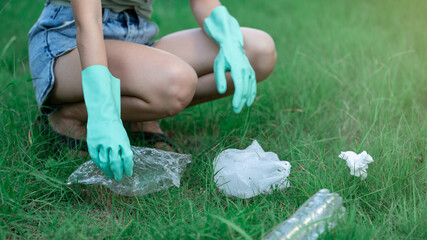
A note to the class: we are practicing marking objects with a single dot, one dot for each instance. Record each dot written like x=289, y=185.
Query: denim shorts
x=54, y=34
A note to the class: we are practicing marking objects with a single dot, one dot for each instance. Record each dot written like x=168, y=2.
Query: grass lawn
x=356, y=69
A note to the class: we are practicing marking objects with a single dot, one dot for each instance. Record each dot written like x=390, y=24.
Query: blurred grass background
x=356, y=69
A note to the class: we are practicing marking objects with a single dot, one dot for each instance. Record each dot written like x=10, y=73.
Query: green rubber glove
x=107, y=140
x=225, y=30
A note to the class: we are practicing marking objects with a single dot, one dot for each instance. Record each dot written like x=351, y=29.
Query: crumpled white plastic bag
x=154, y=170
x=358, y=163
x=249, y=172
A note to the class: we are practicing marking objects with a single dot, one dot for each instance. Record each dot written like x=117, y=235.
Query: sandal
x=149, y=139
x=42, y=122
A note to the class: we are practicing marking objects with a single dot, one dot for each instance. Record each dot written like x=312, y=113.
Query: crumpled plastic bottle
x=322, y=210
x=154, y=170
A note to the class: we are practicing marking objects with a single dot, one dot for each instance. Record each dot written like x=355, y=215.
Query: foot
x=153, y=127
x=149, y=126
x=62, y=122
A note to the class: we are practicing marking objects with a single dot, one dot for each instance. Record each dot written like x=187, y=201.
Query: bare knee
x=180, y=88
x=261, y=52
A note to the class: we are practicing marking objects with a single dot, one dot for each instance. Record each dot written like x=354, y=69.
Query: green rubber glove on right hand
x=225, y=30
x=107, y=140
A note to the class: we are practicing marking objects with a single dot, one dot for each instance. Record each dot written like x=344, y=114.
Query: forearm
x=202, y=9
x=90, y=44
x=218, y=24
x=89, y=35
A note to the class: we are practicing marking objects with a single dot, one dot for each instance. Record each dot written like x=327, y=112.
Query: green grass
x=358, y=71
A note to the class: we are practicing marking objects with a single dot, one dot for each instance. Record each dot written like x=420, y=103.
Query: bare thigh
x=199, y=51
x=145, y=73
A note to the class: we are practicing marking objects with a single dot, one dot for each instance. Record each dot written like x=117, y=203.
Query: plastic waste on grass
x=154, y=170
x=358, y=163
x=249, y=172
x=322, y=210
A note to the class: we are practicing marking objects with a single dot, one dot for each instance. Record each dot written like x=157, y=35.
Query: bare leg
x=156, y=82
x=149, y=89
x=199, y=51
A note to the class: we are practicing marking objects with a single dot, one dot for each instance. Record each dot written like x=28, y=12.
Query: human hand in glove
x=107, y=140
x=225, y=30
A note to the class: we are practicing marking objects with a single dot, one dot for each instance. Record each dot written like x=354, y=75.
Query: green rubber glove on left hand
x=107, y=140
x=225, y=30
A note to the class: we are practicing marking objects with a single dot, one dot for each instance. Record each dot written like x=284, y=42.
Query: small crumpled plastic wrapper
x=249, y=172
x=154, y=170
x=358, y=163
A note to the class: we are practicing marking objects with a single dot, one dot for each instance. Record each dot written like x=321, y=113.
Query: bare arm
x=89, y=36
x=203, y=8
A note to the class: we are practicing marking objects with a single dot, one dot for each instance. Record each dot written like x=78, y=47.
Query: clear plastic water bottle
x=322, y=210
